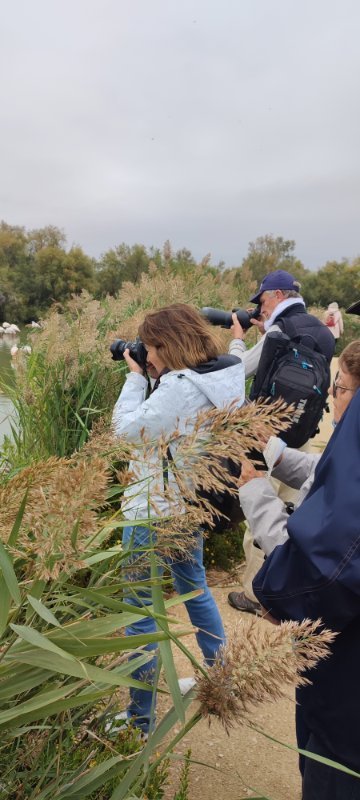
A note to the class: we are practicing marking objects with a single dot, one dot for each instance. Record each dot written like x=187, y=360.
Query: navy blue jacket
x=316, y=573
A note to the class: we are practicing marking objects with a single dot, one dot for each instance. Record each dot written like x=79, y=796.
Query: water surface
x=6, y=375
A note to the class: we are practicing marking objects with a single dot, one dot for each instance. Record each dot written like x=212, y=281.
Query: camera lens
x=137, y=351
x=224, y=318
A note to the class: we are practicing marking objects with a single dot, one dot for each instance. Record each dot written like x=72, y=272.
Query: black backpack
x=295, y=370
x=227, y=509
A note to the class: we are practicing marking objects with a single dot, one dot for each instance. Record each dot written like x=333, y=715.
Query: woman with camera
x=193, y=377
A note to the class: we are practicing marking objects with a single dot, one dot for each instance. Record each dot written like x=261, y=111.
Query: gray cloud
x=204, y=122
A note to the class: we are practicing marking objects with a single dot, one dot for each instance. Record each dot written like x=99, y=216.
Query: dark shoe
x=239, y=601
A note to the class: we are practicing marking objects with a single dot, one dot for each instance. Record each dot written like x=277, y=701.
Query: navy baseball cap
x=354, y=308
x=280, y=279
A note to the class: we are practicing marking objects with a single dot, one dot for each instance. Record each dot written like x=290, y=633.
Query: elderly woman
x=312, y=570
x=193, y=377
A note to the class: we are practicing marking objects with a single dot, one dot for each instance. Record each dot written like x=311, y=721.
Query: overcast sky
x=206, y=122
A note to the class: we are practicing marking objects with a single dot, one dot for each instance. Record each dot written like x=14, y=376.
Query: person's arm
x=136, y=418
x=295, y=467
x=250, y=358
x=265, y=513
x=237, y=347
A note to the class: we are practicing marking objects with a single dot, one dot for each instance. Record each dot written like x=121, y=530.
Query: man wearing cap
x=280, y=300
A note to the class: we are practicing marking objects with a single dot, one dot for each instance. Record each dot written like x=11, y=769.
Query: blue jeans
x=203, y=612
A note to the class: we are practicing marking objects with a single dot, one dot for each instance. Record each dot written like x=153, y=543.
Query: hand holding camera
x=136, y=352
x=226, y=318
x=132, y=364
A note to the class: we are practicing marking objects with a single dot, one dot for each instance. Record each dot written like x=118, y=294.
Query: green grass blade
x=307, y=753
x=43, y=612
x=16, y=526
x=165, y=646
x=91, y=781
x=77, y=669
x=37, y=639
x=43, y=706
x=5, y=602
x=162, y=730
x=9, y=575
x=95, y=647
x=22, y=679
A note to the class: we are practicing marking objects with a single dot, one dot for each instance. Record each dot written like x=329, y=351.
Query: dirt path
x=245, y=760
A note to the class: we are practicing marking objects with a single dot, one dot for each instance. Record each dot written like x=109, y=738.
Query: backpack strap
x=287, y=325
x=165, y=463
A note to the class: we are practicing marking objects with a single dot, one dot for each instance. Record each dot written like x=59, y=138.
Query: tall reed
x=64, y=668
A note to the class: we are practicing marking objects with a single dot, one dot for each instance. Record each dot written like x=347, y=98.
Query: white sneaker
x=111, y=727
x=185, y=684
x=125, y=723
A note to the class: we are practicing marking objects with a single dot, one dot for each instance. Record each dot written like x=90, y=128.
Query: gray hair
x=291, y=293
x=286, y=292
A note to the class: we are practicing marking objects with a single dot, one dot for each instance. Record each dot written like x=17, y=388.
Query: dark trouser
x=326, y=783
x=302, y=732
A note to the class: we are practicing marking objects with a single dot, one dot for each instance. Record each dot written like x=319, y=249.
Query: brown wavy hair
x=182, y=336
x=350, y=359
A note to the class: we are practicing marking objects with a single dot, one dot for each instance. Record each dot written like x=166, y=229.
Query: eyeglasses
x=336, y=386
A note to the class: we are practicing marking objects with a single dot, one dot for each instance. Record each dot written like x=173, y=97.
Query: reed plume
x=61, y=512
x=198, y=452
x=258, y=663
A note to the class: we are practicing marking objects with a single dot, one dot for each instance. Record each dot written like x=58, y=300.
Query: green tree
x=49, y=270
x=36, y=270
x=15, y=266
x=122, y=263
x=337, y=280
x=79, y=271
x=49, y=236
x=268, y=253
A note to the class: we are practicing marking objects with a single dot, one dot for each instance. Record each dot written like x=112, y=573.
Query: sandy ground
x=245, y=763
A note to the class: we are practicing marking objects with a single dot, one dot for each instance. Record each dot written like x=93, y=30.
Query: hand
x=259, y=323
x=236, y=328
x=248, y=472
x=133, y=365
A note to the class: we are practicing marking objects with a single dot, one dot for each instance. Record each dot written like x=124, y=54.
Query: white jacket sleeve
x=250, y=358
x=265, y=513
x=135, y=417
x=295, y=467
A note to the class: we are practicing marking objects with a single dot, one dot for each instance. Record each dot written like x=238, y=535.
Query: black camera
x=136, y=349
x=224, y=318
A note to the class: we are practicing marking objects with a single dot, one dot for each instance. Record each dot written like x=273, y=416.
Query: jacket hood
x=216, y=364
x=227, y=386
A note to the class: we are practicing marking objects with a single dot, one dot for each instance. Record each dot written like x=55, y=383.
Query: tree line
x=37, y=269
